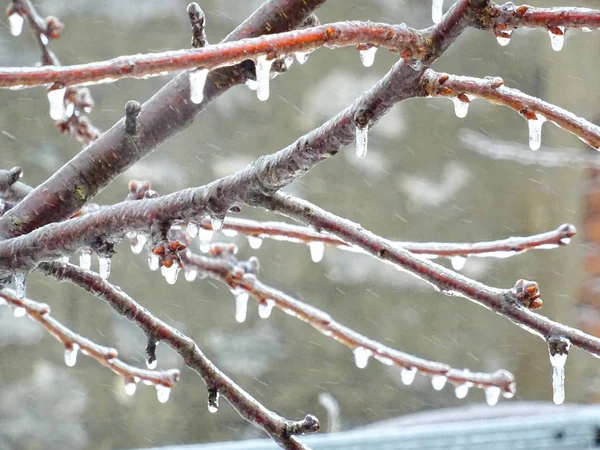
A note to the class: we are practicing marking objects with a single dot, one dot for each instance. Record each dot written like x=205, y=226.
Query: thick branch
x=167, y=113
x=73, y=343
x=505, y=302
x=249, y=408
x=493, y=90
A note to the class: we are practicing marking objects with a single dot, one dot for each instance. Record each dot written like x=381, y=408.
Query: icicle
x=19, y=312
x=190, y=274
x=362, y=139
x=56, y=98
x=317, y=249
x=535, y=132
x=213, y=401
x=19, y=281
x=137, y=248
x=204, y=237
x=192, y=230
x=437, y=10
x=558, y=361
x=71, y=354
x=15, y=20
x=70, y=108
x=130, y=386
x=104, y=267
x=565, y=241
x=301, y=57
x=407, y=375
x=367, y=57
x=492, y=394
x=85, y=260
x=288, y=61
x=153, y=262
x=438, y=382
x=216, y=223
x=162, y=393
x=263, y=71
x=557, y=40
x=197, y=82
x=229, y=232
x=255, y=242
x=151, y=364
x=461, y=108
x=361, y=357
x=265, y=308
x=170, y=273
x=252, y=85
x=462, y=390
x=504, y=38
x=241, y=306
x=458, y=262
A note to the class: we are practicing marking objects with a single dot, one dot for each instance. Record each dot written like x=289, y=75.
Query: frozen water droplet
x=71, y=354
x=437, y=10
x=407, y=375
x=56, y=98
x=265, y=308
x=362, y=140
x=19, y=282
x=458, y=262
x=367, y=57
x=558, y=362
x=461, y=109
x=104, y=267
x=586, y=29
x=252, y=85
x=241, y=306
x=255, y=242
x=19, y=312
x=301, y=57
x=205, y=235
x=153, y=262
x=190, y=274
x=535, y=132
x=438, y=382
x=64, y=259
x=85, y=260
x=69, y=108
x=213, y=402
x=130, y=387
x=170, y=273
x=565, y=241
x=492, y=394
x=361, y=357
x=140, y=241
x=197, y=83
x=216, y=223
x=192, y=230
x=263, y=72
x=44, y=39
x=15, y=22
x=504, y=38
x=317, y=249
x=557, y=40
x=229, y=232
x=462, y=390
x=162, y=393
x=151, y=364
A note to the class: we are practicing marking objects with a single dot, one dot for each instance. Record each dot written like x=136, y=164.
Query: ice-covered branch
x=167, y=113
x=463, y=89
x=163, y=380
x=244, y=283
x=397, y=38
x=515, y=303
x=503, y=19
x=279, y=428
x=256, y=231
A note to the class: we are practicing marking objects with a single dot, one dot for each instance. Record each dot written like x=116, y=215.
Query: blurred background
x=419, y=182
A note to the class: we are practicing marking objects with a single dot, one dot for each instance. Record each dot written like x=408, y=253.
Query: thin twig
x=73, y=343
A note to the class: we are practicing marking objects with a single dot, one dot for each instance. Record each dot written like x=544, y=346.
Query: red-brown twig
x=279, y=428
x=398, y=38
x=494, y=91
x=506, y=302
x=227, y=270
x=164, y=380
x=500, y=248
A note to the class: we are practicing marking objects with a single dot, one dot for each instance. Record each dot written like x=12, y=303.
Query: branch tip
x=132, y=111
x=198, y=25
